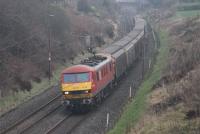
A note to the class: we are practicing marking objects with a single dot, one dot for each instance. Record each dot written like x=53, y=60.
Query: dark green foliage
x=195, y=6
x=107, y=3
x=83, y=6
x=156, y=3
x=162, y=3
x=110, y=31
x=99, y=40
x=189, y=1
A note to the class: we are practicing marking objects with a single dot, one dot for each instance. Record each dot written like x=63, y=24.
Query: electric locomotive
x=83, y=84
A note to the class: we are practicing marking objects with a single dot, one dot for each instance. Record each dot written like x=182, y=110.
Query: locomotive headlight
x=86, y=91
x=66, y=93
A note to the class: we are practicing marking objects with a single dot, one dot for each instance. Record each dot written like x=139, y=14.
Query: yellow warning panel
x=77, y=86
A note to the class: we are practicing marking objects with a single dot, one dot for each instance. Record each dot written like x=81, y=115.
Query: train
x=88, y=83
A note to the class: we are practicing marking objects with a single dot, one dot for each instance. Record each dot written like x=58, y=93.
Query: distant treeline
x=189, y=6
x=189, y=1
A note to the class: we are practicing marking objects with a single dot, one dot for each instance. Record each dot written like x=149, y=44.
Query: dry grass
x=184, y=62
x=158, y=95
x=171, y=121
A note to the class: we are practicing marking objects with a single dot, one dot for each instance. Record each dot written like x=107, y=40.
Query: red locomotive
x=83, y=84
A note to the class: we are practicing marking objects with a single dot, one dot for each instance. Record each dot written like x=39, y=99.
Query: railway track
x=31, y=119
x=51, y=130
x=29, y=127
x=57, y=122
x=76, y=125
x=68, y=124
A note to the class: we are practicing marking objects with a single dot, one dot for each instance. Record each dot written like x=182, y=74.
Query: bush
x=110, y=31
x=24, y=84
x=99, y=40
x=184, y=63
x=189, y=7
x=59, y=23
x=83, y=6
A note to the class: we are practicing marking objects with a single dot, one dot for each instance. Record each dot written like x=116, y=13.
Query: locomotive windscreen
x=72, y=78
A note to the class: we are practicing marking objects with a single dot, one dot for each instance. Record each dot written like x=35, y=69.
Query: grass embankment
x=11, y=101
x=137, y=107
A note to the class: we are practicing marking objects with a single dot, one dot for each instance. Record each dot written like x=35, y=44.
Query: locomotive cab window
x=83, y=77
x=72, y=78
x=69, y=78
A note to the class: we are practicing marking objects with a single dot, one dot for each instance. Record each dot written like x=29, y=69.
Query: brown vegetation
x=175, y=101
x=184, y=62
x=174, y=104
x=26, y=27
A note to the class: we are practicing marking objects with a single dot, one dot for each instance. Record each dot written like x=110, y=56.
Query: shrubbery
x=84, y=6
x=28, y=26
x=184, y=62
x=195, y=6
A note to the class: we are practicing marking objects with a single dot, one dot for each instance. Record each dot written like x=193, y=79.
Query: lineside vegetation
x=135, y=109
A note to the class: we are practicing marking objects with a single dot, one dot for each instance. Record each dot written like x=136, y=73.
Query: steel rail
x=29, y=115
x=77, y=124
x=25, y=129
x=58, y=124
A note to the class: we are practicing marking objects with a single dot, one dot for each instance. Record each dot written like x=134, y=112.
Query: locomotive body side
x=104, y=74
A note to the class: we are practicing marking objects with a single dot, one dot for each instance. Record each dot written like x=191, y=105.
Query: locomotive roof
x=89, y=64
x=97, y=61
x=94, y=60
x=78, y=69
